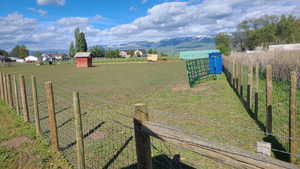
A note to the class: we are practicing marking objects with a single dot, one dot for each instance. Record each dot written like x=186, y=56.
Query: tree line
x=260, y=32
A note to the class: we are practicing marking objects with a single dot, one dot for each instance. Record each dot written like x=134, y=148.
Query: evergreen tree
x=77, y=36
x=4, y=53
x=82, y=45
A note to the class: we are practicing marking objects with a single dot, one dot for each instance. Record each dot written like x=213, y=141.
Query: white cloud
x=77, y=21
x=41, y=12
x=166, y=20
x=47, y=2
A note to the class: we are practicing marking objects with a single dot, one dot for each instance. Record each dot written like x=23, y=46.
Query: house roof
x=83, y=54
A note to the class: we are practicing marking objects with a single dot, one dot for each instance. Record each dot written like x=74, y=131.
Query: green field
x=108, y=92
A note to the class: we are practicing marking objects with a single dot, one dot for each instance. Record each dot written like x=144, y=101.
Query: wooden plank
x=292, y=119
x=241, y=74
x=269, y=96
x=257, y=90
x=24, y=99
x=79, y=133
x=250, y=87
x=226, y=154
x=1, y=86
x=35, y=105
x=142, y=140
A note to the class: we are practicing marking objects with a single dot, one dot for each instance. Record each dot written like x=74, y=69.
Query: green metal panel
x=197, y=54
x=197, y=70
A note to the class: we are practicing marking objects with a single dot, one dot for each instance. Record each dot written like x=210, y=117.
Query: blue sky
x=49, y=24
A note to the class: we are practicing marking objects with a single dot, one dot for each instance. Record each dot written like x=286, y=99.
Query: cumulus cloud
x=47, y=2
x=41, y=12
x=165, y=20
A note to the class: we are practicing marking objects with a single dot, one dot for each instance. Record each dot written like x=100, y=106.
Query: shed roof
x=83, y=54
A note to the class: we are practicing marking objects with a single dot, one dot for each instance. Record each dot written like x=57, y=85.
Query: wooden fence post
x=269, y=99
x=237, y=76
x=292, y=119
x=257, y=90
x=5, y=88
x=10, y=92
x=35, y=105
x=142, y=140
x=1, y=86
x=52, y=117
x=79, y=133
x=233, y=73
x=250, y=86
x=24, y=98
x=241, y=74
x=16, y=95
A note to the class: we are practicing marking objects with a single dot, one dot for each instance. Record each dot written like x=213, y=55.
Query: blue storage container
x=215, y=63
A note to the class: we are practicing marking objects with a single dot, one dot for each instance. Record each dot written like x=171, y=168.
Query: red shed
x=83, y=59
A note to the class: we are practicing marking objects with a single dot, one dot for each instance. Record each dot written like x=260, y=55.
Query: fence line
x=279, y=99
x=106, y=136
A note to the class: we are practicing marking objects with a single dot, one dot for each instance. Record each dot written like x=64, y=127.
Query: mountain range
x=170, y=46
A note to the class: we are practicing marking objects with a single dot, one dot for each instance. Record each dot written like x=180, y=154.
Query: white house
x=31, y=59
x=125, y=54
x=140, y=53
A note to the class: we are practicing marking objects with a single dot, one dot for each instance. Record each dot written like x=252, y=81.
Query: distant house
x=140, y=53
x=31, y=59
x=125, y=54
x=16, y=59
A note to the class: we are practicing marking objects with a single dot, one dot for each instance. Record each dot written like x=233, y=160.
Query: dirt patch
x=15, y=142
x=186, y=87
x=98, y=135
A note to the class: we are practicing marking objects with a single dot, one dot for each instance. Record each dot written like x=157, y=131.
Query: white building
x=31, y=59
x=125, y=54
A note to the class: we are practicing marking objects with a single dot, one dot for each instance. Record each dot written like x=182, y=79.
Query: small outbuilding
x=83, y=59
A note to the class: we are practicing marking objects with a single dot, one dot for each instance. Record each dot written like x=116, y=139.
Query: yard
x=108, y=92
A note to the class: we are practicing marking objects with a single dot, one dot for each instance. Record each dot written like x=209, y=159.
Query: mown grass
x=35, y=154
x=210, y=110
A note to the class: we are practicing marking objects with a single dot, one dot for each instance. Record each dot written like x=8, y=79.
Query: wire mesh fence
x=108, y=132
x=281, y=118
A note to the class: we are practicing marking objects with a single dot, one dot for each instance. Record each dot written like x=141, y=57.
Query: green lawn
x=35, y=154
x=108, y=92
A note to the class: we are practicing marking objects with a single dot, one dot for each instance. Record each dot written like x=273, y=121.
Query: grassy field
x=108, y=92
x=21, y=148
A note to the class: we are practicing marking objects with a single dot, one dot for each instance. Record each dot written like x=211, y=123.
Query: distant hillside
x=172, y=46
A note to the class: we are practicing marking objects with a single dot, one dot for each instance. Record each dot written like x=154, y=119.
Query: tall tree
x=37, y=54
x=77, y=36
x=19, y=51
x=4, y=53
x=223, y=43
x=82, y=45
x=97, y=51
x=72, y=50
